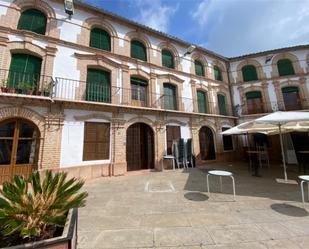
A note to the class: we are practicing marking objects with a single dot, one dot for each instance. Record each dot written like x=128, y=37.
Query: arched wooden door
x=19, y=145
x=207, y=144
x=140, y=147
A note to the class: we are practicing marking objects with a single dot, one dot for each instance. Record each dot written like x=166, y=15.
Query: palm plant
x=34, y=208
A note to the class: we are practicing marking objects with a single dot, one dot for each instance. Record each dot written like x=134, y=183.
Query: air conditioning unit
x=69, y=7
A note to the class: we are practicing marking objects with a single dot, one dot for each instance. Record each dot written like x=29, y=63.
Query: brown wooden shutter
x=172, y=133
x=96, y=141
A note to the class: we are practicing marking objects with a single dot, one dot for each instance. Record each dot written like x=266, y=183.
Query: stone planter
x=68, y=240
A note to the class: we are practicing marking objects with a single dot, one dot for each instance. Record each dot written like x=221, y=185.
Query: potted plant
x=3, y=87
x=46, y=90
x=34, y=213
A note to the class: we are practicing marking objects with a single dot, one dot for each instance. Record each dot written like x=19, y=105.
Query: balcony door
x=139, y=91
x=19, y=145
x=291, y=98
x=24, y=73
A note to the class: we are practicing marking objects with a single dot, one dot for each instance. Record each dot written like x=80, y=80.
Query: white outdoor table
x=303, y=179
x=221, y=173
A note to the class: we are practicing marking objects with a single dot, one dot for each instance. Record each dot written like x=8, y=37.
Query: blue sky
x=228, y=27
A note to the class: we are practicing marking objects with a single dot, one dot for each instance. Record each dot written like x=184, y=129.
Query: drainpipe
x=227, y=64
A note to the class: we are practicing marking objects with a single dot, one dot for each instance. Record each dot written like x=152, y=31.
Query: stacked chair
x=182, y=152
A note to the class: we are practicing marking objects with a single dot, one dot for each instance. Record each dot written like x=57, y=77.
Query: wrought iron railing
x=272, y=106
x=25, y=83
x=76, y=90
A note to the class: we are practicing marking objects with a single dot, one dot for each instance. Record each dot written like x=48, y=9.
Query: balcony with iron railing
x=75, y=90
x=21, y=84
x=271, y=106
x=25, y=83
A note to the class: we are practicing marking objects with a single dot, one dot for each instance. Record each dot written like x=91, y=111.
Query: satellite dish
x=69, y=7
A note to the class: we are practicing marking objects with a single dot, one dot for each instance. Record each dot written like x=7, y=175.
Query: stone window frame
x=12, y=16
x=200, y=87
x=26, y=47
x=203, y=60
x=135, y=35
x=259, y=70
x=265, y=97
x=95, y=22
x=175, y=81
x=221, y=66
x=85, y=61
x=300, y=84
x=224, y=90
x=168, y=46
x=139, y=73
x=286, y=55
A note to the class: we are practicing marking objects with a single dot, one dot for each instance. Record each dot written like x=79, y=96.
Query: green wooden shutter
x=199, y=69
x=98, y=86
x=285, y=67
x=24, y=69
x=221, y=103
x=218, y=74
x=32, y=20
x=167, y=59
x=170, y=97
x=249, y=73
x=289, y=89
x=202, y=102
x=101, y=39
x=138, y=50
x=253, y=95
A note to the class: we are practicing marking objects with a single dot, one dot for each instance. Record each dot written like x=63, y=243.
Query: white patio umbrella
x=280, y=122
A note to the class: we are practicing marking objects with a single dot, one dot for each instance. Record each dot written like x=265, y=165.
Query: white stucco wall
x=72, y=142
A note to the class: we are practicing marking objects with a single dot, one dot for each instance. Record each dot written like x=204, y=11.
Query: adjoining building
x=96, y=94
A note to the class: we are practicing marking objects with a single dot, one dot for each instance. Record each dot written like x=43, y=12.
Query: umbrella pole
x=283, y=155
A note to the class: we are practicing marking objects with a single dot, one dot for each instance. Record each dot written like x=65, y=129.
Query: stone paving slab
x=172, y=209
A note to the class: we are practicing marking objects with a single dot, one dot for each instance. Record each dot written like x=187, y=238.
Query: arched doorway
x=140, y=147
x=19, y=146
x=207, y=144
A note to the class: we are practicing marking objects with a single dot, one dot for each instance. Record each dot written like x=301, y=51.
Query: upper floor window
x=100, y=38
x=167, y=59
x=218, y=73
x=98, y=87
x=199, y=68
x=139, y=91
x=249, y=73
x=170, y=101
x=202, y=102
x=254, y=102
x=138, y=50
x=221, y=104
x=291, y=98
x=285, y=67
x=24, y=72
x=32, y=20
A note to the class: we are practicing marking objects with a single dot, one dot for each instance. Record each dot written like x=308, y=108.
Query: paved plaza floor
x=172, y=209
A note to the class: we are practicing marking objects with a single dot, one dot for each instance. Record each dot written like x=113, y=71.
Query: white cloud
x=154, y=14
x=239, y=27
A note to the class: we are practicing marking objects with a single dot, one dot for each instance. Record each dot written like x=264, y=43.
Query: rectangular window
x=172, y=133
x=227, y=140
x=222, y=106
x=201, y=102
x=96, y=141
x=254, y=102
x=170, y=101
